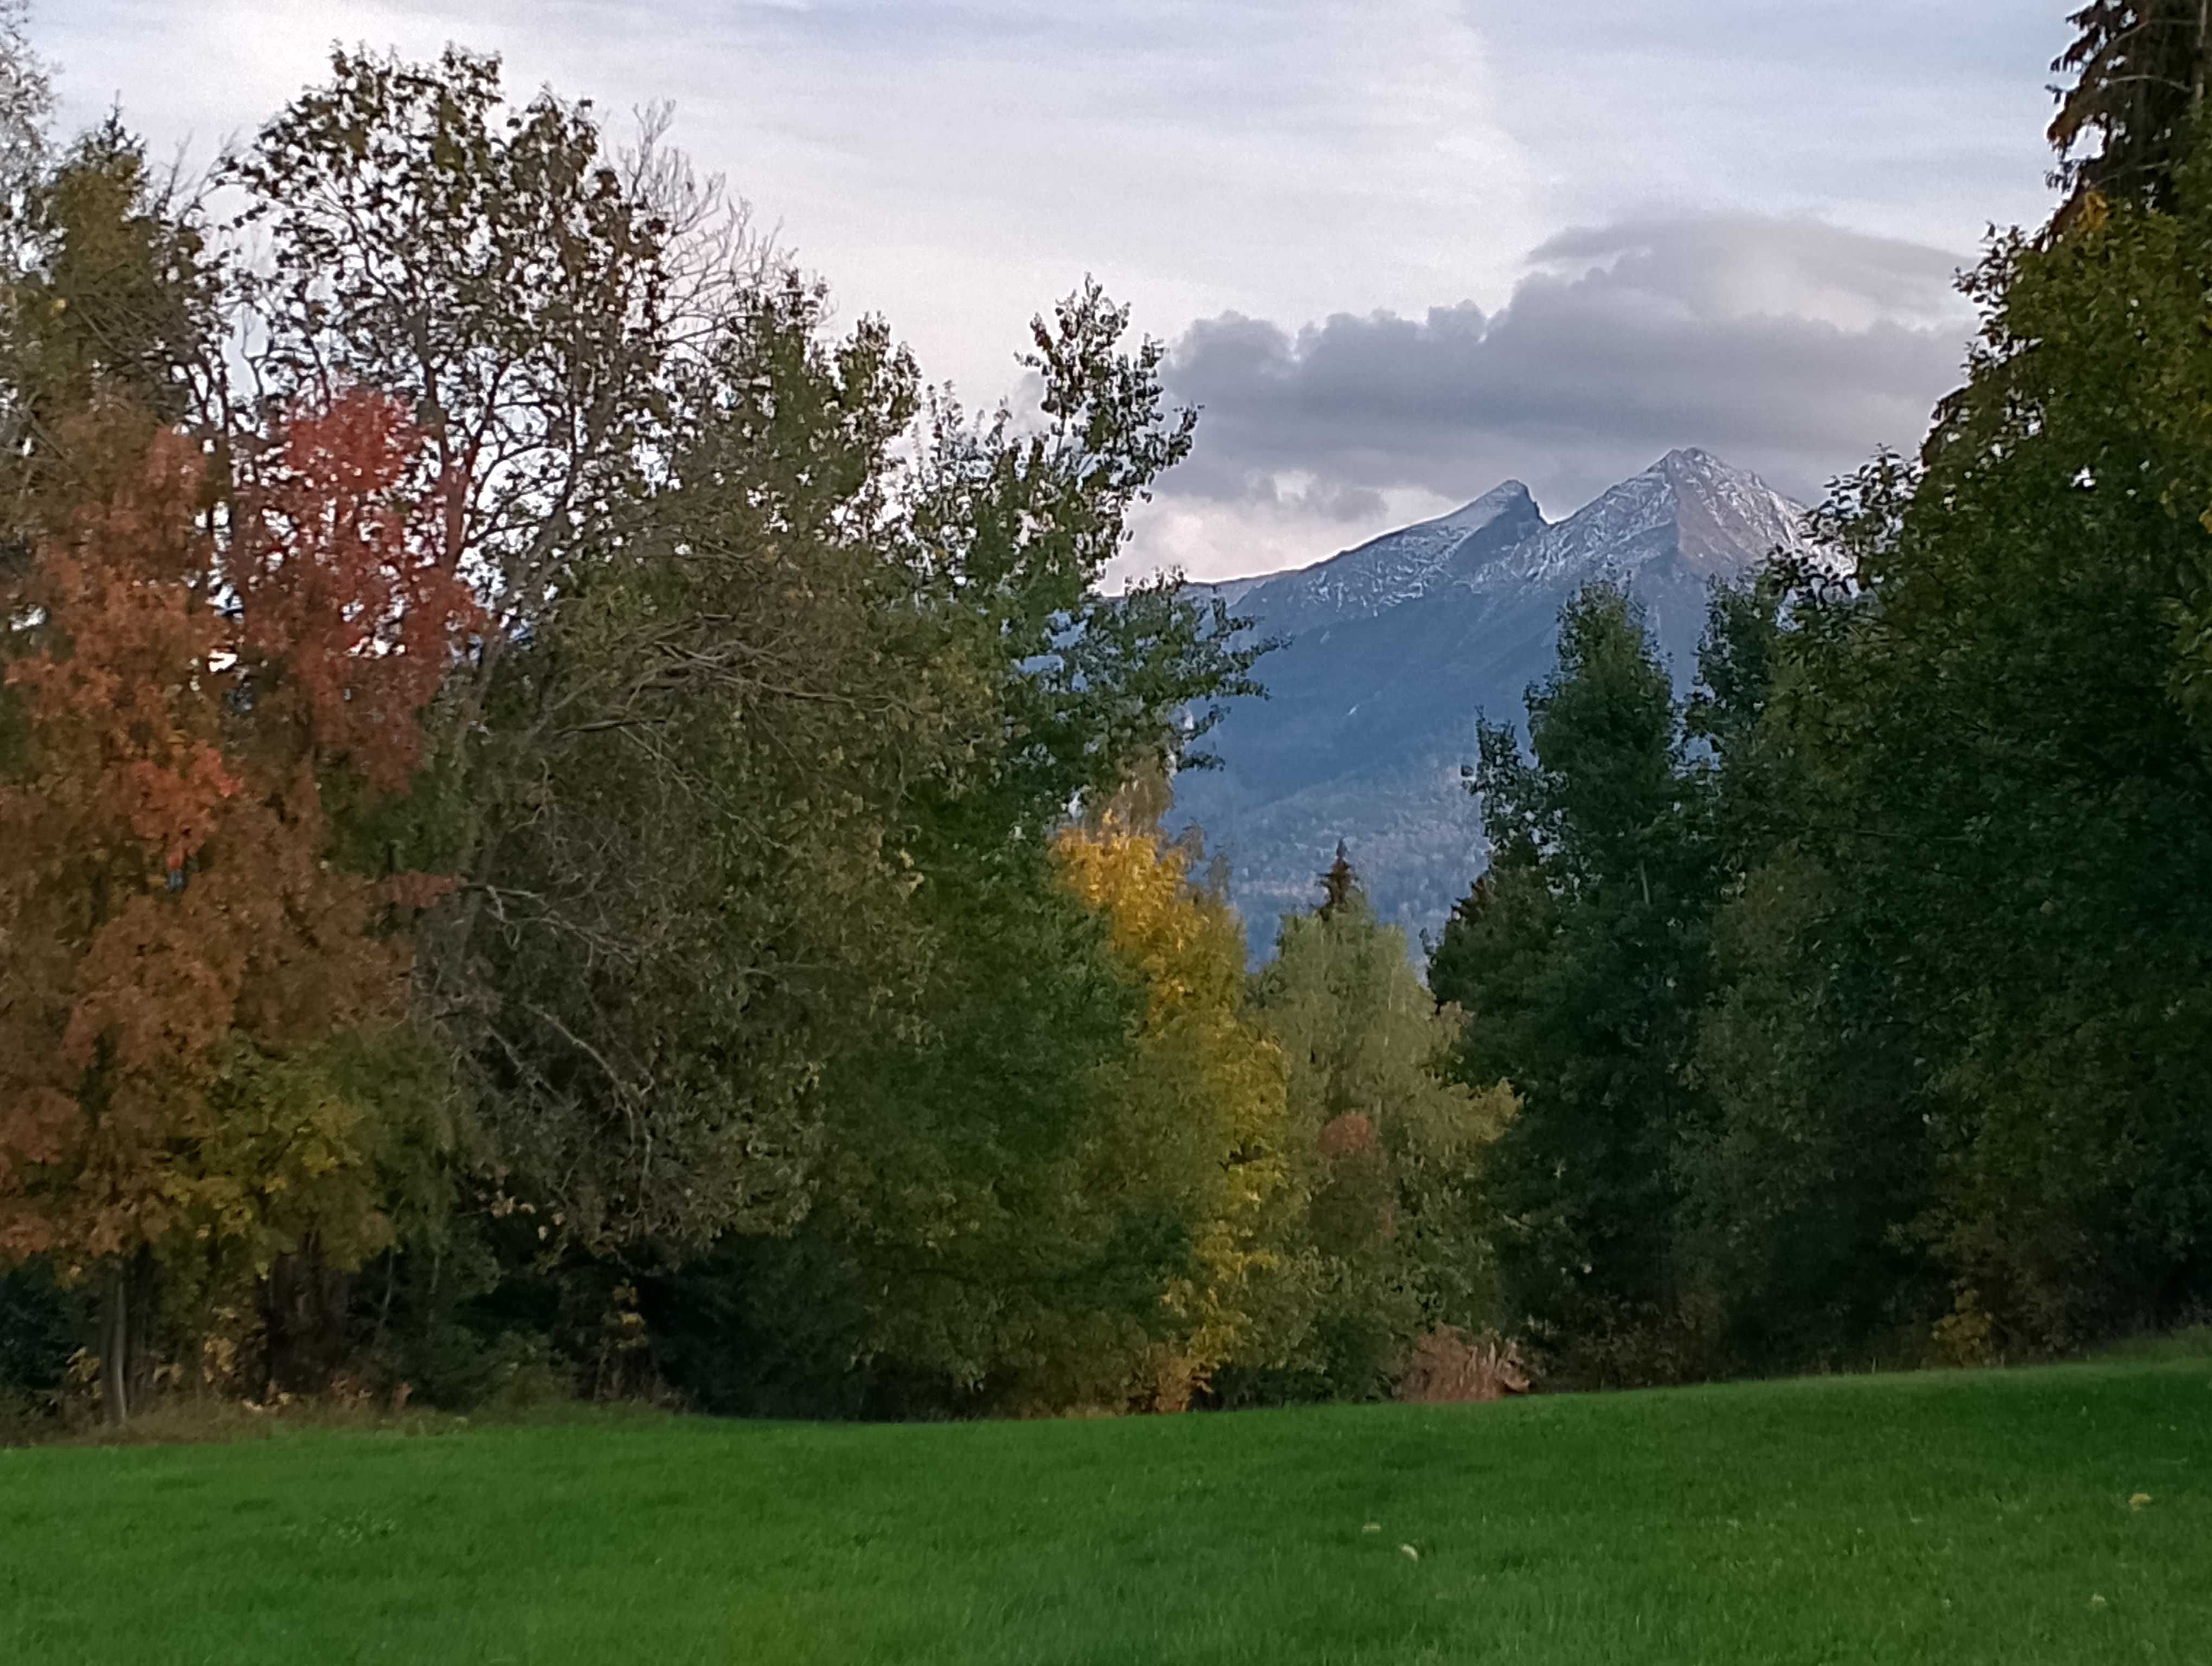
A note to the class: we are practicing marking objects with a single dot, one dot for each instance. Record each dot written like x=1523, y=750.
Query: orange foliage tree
x=200, y=663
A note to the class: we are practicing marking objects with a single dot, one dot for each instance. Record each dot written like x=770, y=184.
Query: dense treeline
x=1859, y=1006
x=566, y=827
x=569, y=827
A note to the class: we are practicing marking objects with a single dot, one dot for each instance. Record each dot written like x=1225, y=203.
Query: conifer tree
x=2141, y=69
x=2002, y=796
x=1579, y=958
x=1339, y=883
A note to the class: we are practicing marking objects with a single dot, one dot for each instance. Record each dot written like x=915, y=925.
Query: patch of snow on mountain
x=1396, y=567
x=1688, y=505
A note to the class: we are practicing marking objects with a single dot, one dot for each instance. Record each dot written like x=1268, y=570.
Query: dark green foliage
x=2003, y=736
x=122, y=294
x=1803, y=1160
x=2140, y=68
x=40, y=1323
x=1807, y=1160
x=1905, y=1050
x=691, y=865
x=1946, y=1091
x=953, y=1252
x=111, y=302
x=1580, y=960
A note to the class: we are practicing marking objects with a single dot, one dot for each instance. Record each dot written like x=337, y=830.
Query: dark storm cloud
x=1791, y=348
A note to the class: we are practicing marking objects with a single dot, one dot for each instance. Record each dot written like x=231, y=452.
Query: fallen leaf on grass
x=1409, y=1553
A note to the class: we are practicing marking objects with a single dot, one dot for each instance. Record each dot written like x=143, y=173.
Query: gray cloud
x=1792, y=348
x=955, y=164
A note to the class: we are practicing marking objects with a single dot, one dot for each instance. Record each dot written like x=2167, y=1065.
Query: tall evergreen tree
x=1803, y=1163
x=1339, y=884
x=2141, y=69
x=1579, y=959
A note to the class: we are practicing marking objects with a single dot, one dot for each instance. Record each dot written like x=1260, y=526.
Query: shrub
x=1448, y=1367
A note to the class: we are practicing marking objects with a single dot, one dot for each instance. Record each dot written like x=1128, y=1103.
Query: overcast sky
x=1403, y=248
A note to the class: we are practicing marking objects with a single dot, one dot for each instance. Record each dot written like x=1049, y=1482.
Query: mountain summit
x=1392, y=649
x=1393, y=569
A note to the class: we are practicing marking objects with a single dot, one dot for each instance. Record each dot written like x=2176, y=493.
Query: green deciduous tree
x=2016, y=791
x=1395, y=1237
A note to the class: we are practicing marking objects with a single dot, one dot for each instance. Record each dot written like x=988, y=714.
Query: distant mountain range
x=1391, y=649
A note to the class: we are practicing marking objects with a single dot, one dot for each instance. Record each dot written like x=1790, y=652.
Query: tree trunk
x=2203, y=55
x=130, y=1306
x=114, y=1344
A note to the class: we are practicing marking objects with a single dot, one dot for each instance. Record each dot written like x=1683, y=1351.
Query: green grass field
x=1952, y=1518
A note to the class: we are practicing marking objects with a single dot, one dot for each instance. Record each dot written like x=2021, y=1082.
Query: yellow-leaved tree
x=1205, y=1107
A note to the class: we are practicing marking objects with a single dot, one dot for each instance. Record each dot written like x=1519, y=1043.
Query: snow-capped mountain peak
x=1716, y=520
x=1509, y=498
x=1396, y=567
x=1390, y=650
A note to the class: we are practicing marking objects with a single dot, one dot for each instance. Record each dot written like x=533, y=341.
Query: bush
x=456, y=1368
x=38, y=1322
x=1450, y=1367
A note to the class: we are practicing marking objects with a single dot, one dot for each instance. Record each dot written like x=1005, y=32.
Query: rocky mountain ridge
x=1391, y=649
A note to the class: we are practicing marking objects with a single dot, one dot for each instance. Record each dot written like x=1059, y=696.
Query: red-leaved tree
x=203, y=660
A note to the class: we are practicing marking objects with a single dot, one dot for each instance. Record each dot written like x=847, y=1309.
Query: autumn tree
x=1202, y=1120
x=171, y=932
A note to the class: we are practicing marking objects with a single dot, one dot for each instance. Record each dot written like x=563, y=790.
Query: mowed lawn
x=1951, y=1518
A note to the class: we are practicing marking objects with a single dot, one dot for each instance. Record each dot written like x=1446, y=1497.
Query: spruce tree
x=1579, y=958
x=1339, y=883
x=2141, y=68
